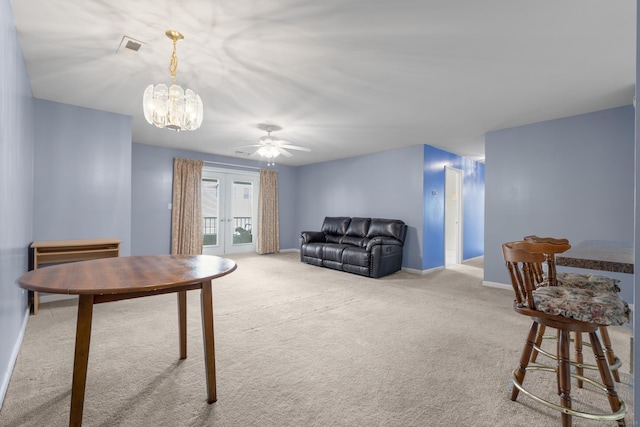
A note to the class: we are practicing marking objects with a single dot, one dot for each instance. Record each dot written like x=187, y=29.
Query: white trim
x=422, y=272
x=459, y=189
x=214, y=170
x=4, y=385
x=290, y=250
x=230, y=164
x=497, y=285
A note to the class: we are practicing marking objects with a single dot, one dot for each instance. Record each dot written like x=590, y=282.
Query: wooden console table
x=59, y=251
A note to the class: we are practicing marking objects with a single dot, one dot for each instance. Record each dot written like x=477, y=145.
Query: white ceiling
x=342, y=77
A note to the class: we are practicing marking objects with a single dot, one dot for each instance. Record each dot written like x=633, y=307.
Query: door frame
x=457, y=176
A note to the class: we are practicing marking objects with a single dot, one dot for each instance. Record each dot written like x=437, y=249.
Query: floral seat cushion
x=594, y=282
x=586, y=305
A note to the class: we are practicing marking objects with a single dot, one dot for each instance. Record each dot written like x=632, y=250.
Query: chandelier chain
x=173, y=64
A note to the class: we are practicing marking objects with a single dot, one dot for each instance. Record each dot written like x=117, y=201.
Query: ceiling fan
x=270, y=147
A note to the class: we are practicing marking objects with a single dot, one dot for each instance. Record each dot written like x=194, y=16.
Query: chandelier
x=172, y=107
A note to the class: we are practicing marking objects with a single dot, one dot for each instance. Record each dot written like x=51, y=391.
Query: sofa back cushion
x=335, y=225
x=358, y=227
x=387, y=228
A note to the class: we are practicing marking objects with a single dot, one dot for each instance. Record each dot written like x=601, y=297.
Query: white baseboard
x=421, y=272
x=497, y=285
x=290, y=250
x=4, y=384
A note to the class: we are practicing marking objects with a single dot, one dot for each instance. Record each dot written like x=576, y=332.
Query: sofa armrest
x=383, y=241
x=312, y=236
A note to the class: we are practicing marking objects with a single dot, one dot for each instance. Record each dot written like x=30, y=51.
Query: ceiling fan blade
x=295, y=147
x=284, y=152
x=252, y=145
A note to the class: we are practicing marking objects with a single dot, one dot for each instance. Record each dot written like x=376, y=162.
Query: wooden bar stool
x=552, y=246
x=566, y=310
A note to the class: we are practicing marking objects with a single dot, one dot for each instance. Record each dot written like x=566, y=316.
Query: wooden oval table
x=116, y=279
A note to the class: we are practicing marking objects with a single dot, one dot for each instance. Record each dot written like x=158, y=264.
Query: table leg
x=206, y=302
x=182, y=322
x=36, y=302
x=83, y=338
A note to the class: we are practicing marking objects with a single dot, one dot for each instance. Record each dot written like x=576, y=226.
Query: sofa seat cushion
x=360, y=242
x=333, y=252
x=586, y=305
x=356, y=256
x=313, y=250
x=333, y=238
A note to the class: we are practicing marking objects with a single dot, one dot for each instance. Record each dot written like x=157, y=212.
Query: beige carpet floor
x=298, y=345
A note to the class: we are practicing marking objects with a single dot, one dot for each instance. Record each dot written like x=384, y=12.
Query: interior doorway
x=453, y=216
x=229, y=211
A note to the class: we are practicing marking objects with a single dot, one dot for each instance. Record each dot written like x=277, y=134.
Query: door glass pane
x=241, y=211
x=211, y=217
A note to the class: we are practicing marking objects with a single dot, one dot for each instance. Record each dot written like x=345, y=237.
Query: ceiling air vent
x=129, y=47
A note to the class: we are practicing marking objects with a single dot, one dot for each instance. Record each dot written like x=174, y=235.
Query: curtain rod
x=231, y=164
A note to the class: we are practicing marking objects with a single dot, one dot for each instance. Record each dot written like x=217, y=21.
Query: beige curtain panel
x=268, y=222
x=186, y=214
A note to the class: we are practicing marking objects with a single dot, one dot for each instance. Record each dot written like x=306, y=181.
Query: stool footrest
x=614, y=416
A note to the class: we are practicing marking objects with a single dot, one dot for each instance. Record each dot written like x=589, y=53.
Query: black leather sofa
x=368, y=246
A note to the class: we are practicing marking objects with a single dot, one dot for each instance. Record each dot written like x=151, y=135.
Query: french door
x=229, y=211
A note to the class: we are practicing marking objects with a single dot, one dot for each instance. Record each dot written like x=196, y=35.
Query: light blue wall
x=151, y=184
x=16, y=191
x=435, y=161
x=571, y=177
x=383, y=185
x=82, y=174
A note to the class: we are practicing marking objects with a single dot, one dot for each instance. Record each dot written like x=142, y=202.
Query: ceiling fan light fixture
x=270, y=152
x=172, y=107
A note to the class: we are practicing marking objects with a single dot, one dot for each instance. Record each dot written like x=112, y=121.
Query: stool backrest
x=550, y=247
x=521, y=265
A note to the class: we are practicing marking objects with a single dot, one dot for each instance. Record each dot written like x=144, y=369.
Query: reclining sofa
x=367, y=246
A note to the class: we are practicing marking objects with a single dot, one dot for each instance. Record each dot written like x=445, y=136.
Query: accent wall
x=435, y=161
